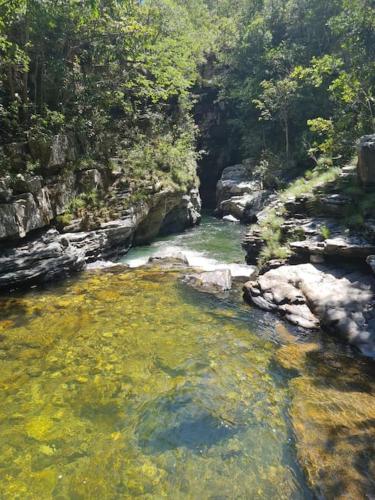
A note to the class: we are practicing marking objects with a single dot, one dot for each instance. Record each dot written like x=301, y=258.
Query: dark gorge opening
x=217, y=146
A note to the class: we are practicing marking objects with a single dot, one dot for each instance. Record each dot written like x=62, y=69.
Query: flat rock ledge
x=311, y=296
x=56, y=255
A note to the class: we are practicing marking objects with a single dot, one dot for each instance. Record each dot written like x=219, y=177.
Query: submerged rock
x=310, y=296
x=230, y=218
x=332, y=410
x=171, y=260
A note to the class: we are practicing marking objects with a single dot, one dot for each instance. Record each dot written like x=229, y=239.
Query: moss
x=64, y=219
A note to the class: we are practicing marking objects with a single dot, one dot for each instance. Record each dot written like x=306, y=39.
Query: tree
x=275, y=102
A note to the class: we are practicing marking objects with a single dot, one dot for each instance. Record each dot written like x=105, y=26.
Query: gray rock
x=211, y=281
x=6, y=191
x=346, y=246
x=366, y=160
x=230, y=218
x=239, y=194
x=371, y=262
x=171, y=260
x=62, y=190
x=91, y=180
x=25, y=184
x=38, y=262
x=340, y=301
x=62, y=150
x=54, y=152
x=244, y=207
x=242, y=272
x=167, y=212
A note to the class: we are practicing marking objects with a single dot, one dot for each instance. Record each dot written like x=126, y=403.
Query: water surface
x=208, y=245
x=126, y=383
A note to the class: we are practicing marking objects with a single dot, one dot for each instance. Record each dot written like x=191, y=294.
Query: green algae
x=128, y=384
x=333, y=416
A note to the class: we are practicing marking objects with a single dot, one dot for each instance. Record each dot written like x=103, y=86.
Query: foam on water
x=212, y=245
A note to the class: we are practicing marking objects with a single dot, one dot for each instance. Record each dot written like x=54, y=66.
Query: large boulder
x=91, y=180
x=243, y=207
x=239, y=193
x=236, y=181
x=186, y=214
x=366, y=160
x=168, y=211
x=339, y=300
x=27, y=184
x=25, y=213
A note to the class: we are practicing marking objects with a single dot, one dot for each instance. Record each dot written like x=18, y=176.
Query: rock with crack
x=311, y=296
x=346, y=246
x=245, y=207
x=39, y=261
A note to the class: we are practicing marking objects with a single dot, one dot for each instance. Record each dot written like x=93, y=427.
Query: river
x=127, y=383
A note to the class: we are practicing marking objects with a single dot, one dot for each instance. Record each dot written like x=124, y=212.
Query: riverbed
x=127, y=383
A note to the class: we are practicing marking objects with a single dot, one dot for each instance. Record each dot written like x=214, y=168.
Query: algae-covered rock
x=332, y=411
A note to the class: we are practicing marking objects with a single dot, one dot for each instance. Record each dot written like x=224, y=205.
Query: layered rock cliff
x=55, y=223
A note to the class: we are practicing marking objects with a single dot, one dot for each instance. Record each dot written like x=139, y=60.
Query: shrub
x=325, y=232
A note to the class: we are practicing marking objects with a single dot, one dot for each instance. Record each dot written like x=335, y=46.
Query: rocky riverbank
x=55, y=224
x=315, y=246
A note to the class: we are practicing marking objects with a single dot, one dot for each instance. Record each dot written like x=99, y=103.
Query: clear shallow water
x=126, y=383
x=207, y=246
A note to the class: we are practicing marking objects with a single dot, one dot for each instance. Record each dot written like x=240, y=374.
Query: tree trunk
x=286, y=127
x=12, y=89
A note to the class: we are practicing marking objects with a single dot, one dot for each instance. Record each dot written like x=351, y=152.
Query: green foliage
x=275, y=242
x=305, y=69
x=116, y=73
x=269, y=170
x=64, y=219
x=325, y=232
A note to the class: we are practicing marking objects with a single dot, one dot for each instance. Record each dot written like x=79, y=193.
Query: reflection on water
x=126, y=384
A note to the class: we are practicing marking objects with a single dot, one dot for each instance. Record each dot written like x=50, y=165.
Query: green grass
x=275, y=245
x=325, y=232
